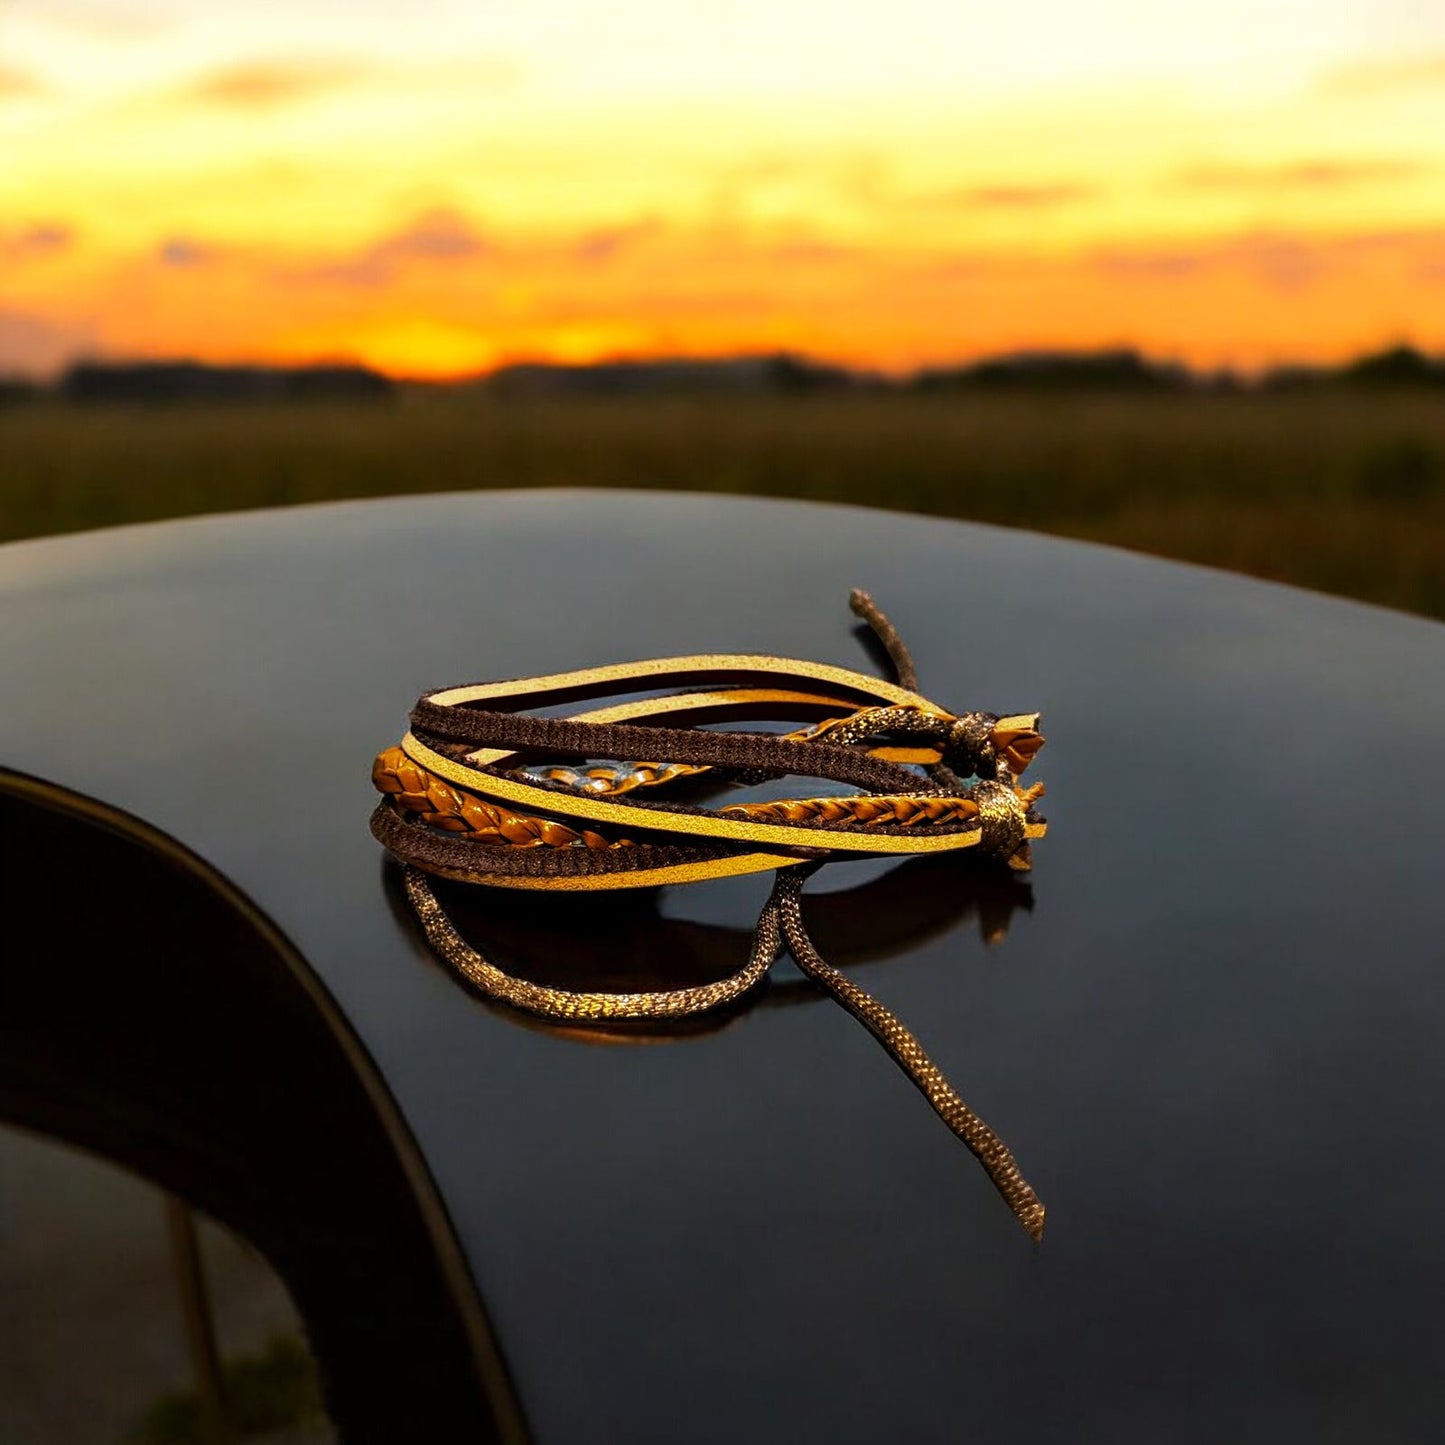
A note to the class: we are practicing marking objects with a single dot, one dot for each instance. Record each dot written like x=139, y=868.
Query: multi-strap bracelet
x=483, y=791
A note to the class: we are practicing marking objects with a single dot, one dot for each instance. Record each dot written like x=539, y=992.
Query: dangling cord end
x=905, y=673
x=987, y=1147
x=863, y=605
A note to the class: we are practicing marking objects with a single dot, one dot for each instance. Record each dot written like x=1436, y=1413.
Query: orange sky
x=437, y=187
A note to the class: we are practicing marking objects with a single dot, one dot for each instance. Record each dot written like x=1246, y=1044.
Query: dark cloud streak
x=184, y=252
x=437, y=236
x=43, y=239
x=603, y=245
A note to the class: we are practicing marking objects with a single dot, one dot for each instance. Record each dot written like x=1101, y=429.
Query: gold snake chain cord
x=482, y=791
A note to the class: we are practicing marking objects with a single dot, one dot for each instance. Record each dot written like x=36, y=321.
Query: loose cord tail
x=779, y=923
x=990, y=1151
x=863, y=605
x=570, y=1006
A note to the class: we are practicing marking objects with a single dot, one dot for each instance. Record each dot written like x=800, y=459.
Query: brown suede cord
x=863, y=605
x=744, y=751
x=425, y=847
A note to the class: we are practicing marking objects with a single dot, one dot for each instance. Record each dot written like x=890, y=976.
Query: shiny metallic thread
x=987, y=1147
x=1001, y=815
x=576, y=1007
x=781, y=921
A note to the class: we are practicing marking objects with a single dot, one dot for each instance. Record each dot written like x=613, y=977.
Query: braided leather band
x=482, y=792
x=434, y=801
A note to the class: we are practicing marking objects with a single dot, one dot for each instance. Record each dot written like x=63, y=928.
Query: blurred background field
x=1336, y=488
x=465, y=220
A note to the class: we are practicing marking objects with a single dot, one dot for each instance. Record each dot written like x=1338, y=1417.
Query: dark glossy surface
x=154, y=1026
x=1215, y=1039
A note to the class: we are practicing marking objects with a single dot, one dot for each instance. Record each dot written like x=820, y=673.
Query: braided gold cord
x=1014, y=741
x=869, y=721
x=870, y=810
x=987, y=1147
x=575, y=1007
x=781, y=921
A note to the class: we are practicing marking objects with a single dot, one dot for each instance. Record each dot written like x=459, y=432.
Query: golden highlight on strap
x=503, y=794
x=655, y=672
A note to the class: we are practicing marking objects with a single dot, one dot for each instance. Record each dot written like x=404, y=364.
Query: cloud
x=184, y=252
x=437, y=235
x=1298, y=175
x=1025, y=197
x=264, y=85
x=1022, y=197
x=18, y=84
x=1147, y=264
x=36, y=242
x=608, y=242
x=440, y=235
x=1284, y=263
x=258, y=85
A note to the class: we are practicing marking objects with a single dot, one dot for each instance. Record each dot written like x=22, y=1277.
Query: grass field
x=1338, y=490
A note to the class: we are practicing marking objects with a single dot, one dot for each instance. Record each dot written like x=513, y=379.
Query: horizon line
x=1160, y=366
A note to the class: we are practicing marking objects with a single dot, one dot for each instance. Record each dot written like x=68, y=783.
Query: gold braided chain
x=781, y=921
x=870, y=810
x=569, y=1006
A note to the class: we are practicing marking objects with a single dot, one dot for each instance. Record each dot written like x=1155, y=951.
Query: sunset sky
x=435, y=187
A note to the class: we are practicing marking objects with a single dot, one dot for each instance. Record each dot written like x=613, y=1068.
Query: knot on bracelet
x=1002, y=816
x=971, y=739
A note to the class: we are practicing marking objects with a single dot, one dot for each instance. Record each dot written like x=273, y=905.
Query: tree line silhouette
x=1121, y=370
